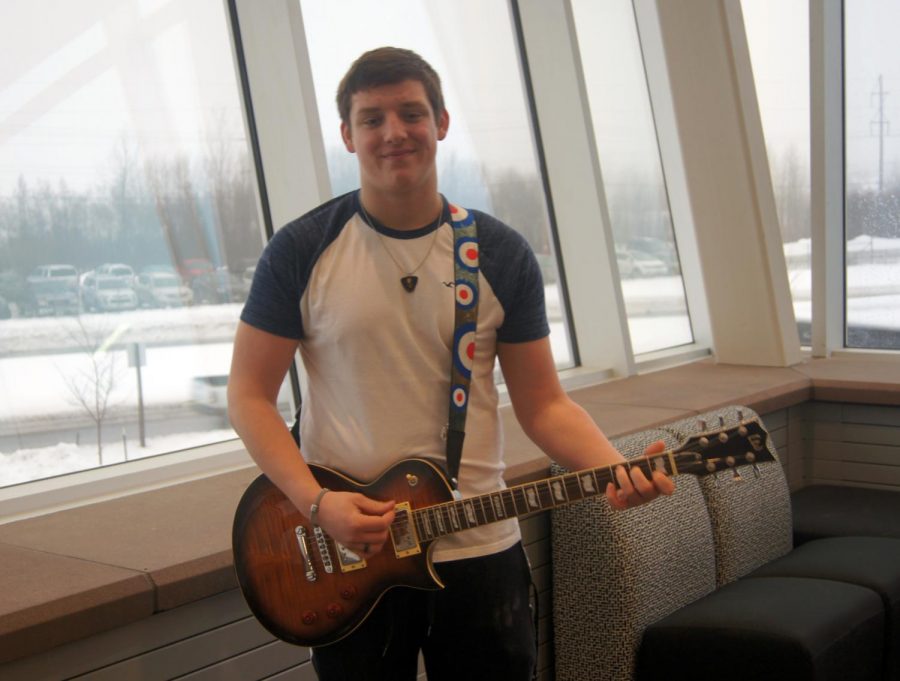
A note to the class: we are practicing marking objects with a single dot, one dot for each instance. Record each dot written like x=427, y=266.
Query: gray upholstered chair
x=616, y=572
x=658, y=591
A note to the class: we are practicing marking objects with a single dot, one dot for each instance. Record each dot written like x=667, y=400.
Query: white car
x=162, y=289
x=106, y=293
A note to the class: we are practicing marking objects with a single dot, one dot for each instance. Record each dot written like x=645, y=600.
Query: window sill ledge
x=70, y=574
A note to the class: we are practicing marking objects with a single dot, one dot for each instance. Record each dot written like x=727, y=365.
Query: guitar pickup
x=403, y=532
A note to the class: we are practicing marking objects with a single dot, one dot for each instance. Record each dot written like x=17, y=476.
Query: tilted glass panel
x=633, y=181
x=488, y=160
x=778, y=38
x=872, y=191
x=128, y=228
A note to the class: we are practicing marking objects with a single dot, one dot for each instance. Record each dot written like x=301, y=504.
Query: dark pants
x=480, y=626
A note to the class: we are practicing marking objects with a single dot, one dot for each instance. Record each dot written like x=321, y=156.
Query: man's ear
x=345, y=135
x=443, y=124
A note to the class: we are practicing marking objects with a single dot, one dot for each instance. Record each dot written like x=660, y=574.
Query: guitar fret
x=587, y=483
x=545, y=494
x=518, y=498
x=509, y=503
x=497, y=505
x=439, y=520
x=484, y=511
x=455, y=520
x=469, y=513
x=557, y=491
x=533, y=497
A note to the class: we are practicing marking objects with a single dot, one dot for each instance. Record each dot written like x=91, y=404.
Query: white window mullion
x=284, y=107
x=827, y=175
x=581, y=212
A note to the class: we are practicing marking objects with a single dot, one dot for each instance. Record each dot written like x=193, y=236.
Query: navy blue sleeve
x=284, y=268
x=509, y=265
x=273, y=304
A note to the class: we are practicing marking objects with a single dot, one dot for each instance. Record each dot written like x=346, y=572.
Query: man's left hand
x=634, y=488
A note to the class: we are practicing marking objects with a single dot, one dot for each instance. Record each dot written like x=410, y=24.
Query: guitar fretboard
x=440, y=520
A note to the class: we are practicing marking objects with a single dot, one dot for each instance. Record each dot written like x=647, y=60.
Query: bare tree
x=93, y=383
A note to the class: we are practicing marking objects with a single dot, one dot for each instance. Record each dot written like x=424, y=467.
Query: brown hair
x=387, y=66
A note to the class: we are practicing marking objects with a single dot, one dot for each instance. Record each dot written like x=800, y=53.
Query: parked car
x=53, y=289
x=124, y=272
x=208, y=394
x=191, y=268
x=658, y=248
x=14, y=290
x=638, y=264
x=218, y=286
x=106, y=293
x=162, y=289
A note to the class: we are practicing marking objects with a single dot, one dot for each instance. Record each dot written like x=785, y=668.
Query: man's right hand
x=356, y=521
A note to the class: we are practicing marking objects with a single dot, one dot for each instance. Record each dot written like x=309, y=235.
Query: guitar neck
x=702, y=454
x=440, y=520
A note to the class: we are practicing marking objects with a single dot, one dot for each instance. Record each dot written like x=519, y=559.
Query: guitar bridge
x=324, y=553
x=309, y=570
x=403, y=532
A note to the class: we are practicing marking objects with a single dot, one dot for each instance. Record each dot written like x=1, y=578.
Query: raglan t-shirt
x=377, y=358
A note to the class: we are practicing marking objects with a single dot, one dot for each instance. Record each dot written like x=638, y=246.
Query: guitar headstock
x=724, y=449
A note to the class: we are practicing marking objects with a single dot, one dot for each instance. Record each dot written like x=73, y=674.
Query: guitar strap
x=465, y=265
x=465, y=271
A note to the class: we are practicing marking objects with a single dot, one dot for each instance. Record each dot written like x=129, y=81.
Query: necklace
x=408, y=280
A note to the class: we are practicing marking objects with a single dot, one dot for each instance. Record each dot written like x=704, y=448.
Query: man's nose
x=394, y=128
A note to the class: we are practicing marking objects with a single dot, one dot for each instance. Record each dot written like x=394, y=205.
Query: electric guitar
x=309, y=590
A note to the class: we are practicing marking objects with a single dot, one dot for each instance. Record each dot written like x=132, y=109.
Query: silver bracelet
x=314, y=509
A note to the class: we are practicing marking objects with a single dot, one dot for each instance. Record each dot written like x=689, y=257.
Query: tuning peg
x=756, y=471
x=702, y=423
x=721, y=421
x=740, y=414
x=737, y=475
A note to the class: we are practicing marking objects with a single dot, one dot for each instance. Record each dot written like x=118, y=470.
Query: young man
x=364, y=286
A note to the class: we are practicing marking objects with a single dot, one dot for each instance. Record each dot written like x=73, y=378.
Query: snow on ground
x=37, y=375
x=24, y=465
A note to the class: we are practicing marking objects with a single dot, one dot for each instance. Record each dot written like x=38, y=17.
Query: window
x=778, y=37
x=488, y=160
x=872, y=175
x=627, y=147
x=128, y=219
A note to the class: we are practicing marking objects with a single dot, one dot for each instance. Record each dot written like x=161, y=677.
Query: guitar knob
x=348, y=592
x=310, y=617
x=334, y=610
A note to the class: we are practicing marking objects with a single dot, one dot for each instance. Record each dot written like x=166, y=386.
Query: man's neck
x=402, y=212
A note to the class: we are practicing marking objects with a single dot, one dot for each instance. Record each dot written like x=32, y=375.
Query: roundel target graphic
x=465, y=294
x=458, y=213
x=460, y=397
x=467, y=253
x=464, y=349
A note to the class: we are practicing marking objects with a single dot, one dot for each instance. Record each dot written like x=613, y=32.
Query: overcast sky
x=78, y=79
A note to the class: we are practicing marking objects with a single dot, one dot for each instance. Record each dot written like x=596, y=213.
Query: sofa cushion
x=872, y=562
x=773, y=628
x=833, y=510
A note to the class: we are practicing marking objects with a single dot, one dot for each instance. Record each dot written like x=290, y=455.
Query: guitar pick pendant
x=409, y=282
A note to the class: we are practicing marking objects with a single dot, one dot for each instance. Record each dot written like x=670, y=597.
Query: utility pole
x=883, y=129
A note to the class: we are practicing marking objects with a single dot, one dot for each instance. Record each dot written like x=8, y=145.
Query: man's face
x=393, y=132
